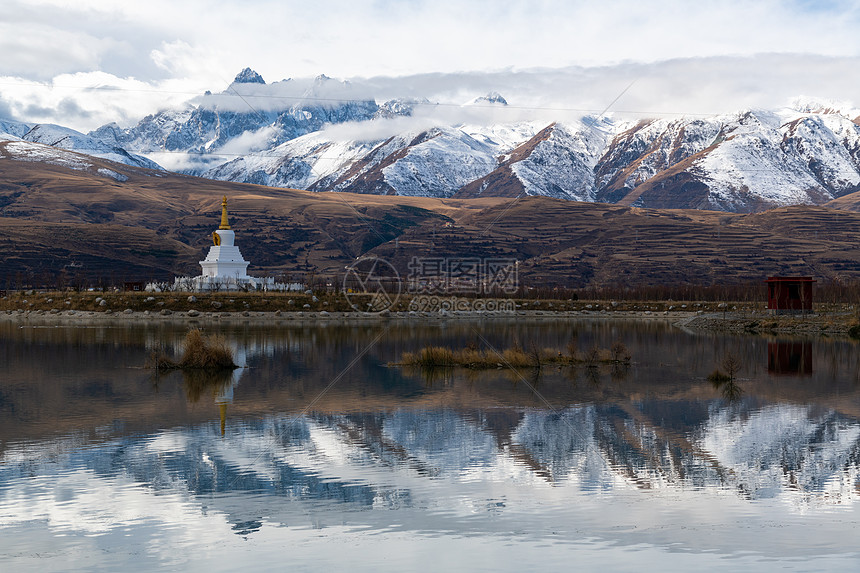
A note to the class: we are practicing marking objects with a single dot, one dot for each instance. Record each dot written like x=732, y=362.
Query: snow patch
x=26, y=151
x=112, y=174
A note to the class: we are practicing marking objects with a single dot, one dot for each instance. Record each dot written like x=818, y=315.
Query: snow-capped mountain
x=435, y=163
x=557, y=161
x=737, y=162
x=249, y=117
x=70, y=140
x=328, y=135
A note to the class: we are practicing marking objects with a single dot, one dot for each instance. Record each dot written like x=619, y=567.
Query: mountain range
x=565, y=199
x=329, y=135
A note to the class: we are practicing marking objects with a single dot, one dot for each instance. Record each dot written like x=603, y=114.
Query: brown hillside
x=585, y=244
x=56, y=220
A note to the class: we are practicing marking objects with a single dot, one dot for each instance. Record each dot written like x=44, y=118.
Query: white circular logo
x=371, y=285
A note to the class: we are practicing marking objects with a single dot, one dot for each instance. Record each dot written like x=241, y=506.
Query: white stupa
x=223, y=268
x=224, y=260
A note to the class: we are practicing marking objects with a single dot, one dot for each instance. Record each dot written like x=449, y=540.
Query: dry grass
x=429, y=357
x=514, y=357
x=470, y=357
x=206, y=352
x=199, y=352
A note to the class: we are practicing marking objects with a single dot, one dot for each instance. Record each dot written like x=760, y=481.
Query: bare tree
x=592, y=356
x=534, y=353
x=732, y=365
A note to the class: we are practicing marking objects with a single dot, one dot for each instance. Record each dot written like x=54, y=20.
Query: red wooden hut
x=789, y=294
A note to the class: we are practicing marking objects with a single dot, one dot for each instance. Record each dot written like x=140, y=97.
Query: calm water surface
x=318, y=456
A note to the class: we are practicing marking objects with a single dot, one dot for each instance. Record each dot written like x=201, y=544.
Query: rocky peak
x=248, y=76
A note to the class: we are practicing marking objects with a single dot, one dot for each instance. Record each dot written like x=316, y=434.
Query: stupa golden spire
x=225, y=224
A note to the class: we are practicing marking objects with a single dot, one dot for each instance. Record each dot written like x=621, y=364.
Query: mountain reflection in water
x=91, y=444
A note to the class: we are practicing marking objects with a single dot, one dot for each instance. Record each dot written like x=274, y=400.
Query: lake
x=318, y=455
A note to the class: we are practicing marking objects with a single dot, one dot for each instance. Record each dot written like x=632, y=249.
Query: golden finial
x=223, y=409
x=225, y=224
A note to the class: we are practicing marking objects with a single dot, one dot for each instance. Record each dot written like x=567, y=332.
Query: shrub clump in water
x=514, y=357
x=198, y=353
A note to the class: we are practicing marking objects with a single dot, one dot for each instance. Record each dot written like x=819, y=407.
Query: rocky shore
x=837, y=324
x=323, y=315
x=265, y=308
x=833, y=324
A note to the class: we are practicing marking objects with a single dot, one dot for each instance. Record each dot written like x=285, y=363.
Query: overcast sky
x=680, y=56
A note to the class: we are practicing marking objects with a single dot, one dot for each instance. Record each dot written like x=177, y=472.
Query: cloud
x=248, y=142
x=552, y=58
x=44, y=52
x=5, y=109
x=183, y=161
x=689, y=86
x=380, y=129
x=182, y=60
x=84, y=101
x=673, y=88
x=46, y=39
x=67, y=110
x=150, y=40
